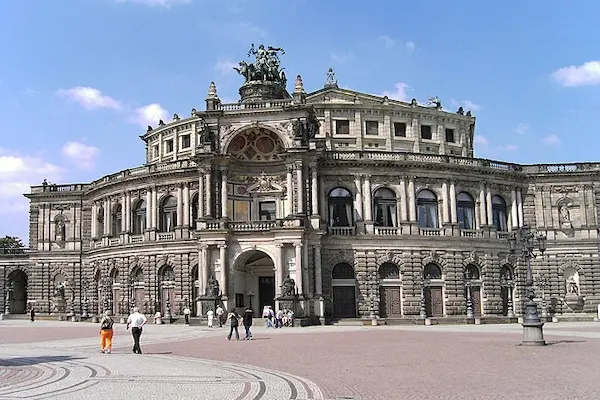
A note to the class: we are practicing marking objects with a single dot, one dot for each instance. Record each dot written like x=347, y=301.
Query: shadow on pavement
x=159, y=353
x=19, y=361
x=548, y=343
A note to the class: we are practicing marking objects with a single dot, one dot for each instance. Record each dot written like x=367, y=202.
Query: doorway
x=434, y=303
x=266, y=292
x=18, y=296
x=344, y=301
x=389, y=304
x=476, y=299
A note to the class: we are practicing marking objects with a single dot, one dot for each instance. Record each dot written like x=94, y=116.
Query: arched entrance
x=253, y=283
x=17, y=286
x=473, y=288
x=167, y=290
x=390, y=291
x=433, y=283
x=344, y=291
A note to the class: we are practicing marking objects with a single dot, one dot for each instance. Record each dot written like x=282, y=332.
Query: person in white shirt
x=209, y=318
x=220, y=313
x=136, y=321
x=186, y=314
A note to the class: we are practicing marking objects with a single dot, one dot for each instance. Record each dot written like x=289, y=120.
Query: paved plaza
x=62, y=360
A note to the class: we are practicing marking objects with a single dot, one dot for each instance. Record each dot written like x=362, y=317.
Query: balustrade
x=471, y=233
x=342, y=230
x=432, y=231
x=388, y=230
x=164, y=236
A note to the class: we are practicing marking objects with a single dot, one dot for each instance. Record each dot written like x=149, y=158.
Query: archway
x=17, y=281
x=473, y=288
x=167, y=290
x=344, y=291
x=253, y=284
x=390, y=291
x=433, y=284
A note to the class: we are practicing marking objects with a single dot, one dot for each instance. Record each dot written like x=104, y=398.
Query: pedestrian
x=136, y=321
x=234, y=319
x=106, y=333
x=279, y=319
x=210, y=314
x=32, y=314
x=186, y=314
x=248, y=315
x=220, y=313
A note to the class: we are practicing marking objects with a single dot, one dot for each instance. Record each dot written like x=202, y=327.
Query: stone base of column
x=533, y=334
x=315, y=222
x=369, y=227
x=360, y=227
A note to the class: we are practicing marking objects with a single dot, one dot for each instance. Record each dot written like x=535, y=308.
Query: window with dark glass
x=267, y=210
x=185, y=141
x=168, y=214
x=426, y=132
x=340, y=207
x=400, y=129
x=169, y=146
x=432, y=271
x=194, y=210
x=427, y=209
x=449, y=135
x=372, y=127
x=139, y=218
x=342, y=271
x=239, y=299
x=499, y=214
x=117, y=218
x=342, y=127
x=465, y=211
x=155, y=151
x=100, y=222
x=385, y=207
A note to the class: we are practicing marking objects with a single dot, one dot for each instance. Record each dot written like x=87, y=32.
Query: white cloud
x=481, y=140
x=552, y=140
x=399, y=93
x=522, y=128
x=410, y=46
x=89, y=98
x=81, y=154
x=149, y=115
x=19, y=172
x=508, y=147
x=388, y=42
x=248, y=30
x=586, y=74
x=342, y=57
x=468, y=105
x=159, y=3
x=225, y=67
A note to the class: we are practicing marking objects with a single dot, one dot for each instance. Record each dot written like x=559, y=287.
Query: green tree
x=11, y=245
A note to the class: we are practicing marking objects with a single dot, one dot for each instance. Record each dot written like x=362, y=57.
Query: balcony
x=342, y=230
x=471, y=233
x=165, y=236
x=431, y=231
x=388, y=230
x=251, y=226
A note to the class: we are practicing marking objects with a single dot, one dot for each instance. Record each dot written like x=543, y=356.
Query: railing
x=432, y=231
x=52, y=187
x=136, y=238
x=11, y=251
x=502, y=235
x=342, y=230
x=114, y=241
x=251, y=226
x=471, y=233
x=164, y=236
x=561, y=168
x=246, y=226
x=388, y=230
x=254, y=105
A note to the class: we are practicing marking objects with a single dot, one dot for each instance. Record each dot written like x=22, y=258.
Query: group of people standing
x=278, y=319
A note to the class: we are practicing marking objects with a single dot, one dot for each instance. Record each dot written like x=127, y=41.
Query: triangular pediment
x=337, y=95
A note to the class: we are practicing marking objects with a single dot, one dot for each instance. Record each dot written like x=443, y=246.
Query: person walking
x=210, y=315
x=186, y=314
x=106, y=333
x=136, y=321
x=32, y=314
x=248, y=315
x=234, y=319
x=220, y=313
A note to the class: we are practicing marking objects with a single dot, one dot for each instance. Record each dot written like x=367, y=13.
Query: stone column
x=445, y=216
x=488, y=201
x=279, y=260
x=155, y=208
x=298, y=248
x=368, y=198
x=482, y=208
x=513, y=209
x=520, y=207
x=107, y=214
x=179, y=206
x=453, y=217
x=290, y=191
x=223, y=262
x=315, y=192
x=224, y=193
x=208, y=191
x=357, y=199
x=128, y=212
x=123, y=212
x=300, y=188
x=318, y=271
x=412, y=204
x=200, y=198
x=148, y=208
x=202, y=269
x=94, y=220
x=402, y=206
x=186, y=205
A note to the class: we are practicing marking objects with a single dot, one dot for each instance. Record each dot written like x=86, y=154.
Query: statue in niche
x=212, y=287
x=60, y=230
x=206, y=137
x=572, y=282
x=564, y=216
x=288, y=287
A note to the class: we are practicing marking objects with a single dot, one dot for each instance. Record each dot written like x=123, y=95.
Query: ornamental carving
x=256, y=144
x=565, y=189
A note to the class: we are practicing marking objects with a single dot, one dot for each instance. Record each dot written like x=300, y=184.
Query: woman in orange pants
x=106, y=333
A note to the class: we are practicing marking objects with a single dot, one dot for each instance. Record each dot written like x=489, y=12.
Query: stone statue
x=288, y=287
x=266, y=66
x=330, y=80
x=212, y=287
x=435, y=102
x=565, y=216
x=461, y=111
x=298, y=127
x=264, y=183
x=60, y=230
x=312, y=126
x=205, y=133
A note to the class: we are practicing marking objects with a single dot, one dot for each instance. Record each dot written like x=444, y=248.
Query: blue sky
x=79, y=79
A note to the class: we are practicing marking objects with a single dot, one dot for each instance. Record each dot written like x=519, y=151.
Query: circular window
x=265, y=145
x=238, y=144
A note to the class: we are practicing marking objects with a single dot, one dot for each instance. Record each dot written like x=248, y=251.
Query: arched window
x=342, y=271
x=117, y=219
x=114, y=275
x=427, y=209
x=167, y=274
x=168, y=214
x=465, y=210
x=499, y=215
x=432, y=271
x=385, y=207
x=472, y=273
x=506, y=274
x=100, y=222
x=340, y=207
x=139, y=218
x=138, y=275
x=389, y=271
x=194, y=211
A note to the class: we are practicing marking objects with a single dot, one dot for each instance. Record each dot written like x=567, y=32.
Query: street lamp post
x=470, y=313
x=522, y=244
x=85, y=286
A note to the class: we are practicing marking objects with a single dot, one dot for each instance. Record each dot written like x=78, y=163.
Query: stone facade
x=370, y=205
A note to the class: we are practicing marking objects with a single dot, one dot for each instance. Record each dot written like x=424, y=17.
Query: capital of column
x=357, y=177
x=317, y=246
x=203, y=246
x=222, y=246
x=298, y=164
x=298, y=244
x=279, y=245
x=367, y=176
x=290, y=167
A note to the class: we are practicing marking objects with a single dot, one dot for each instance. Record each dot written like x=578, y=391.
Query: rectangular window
x=342, y=127
x=239, y=210
x=239, y=299
x=169, y=146
x=185, y=142
x=267, y=210
x=372, y=128
x=449, y=135
x=155, y=151
x=400, y=129
x=426, y=132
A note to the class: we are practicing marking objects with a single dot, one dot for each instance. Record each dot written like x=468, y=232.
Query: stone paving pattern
x=407, y=362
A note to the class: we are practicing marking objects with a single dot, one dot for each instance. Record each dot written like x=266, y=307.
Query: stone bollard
x=2, y=317
x=427, y=322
